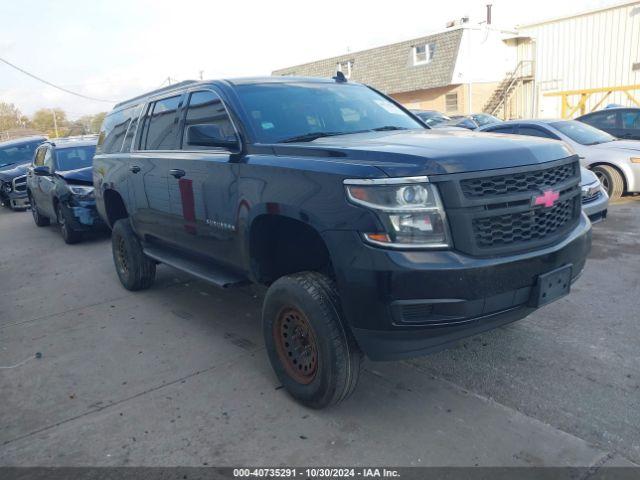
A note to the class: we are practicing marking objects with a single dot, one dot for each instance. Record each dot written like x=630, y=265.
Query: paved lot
x=177, y=375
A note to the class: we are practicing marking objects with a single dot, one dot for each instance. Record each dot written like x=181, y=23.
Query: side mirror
x=208, y=135
x=42, y=171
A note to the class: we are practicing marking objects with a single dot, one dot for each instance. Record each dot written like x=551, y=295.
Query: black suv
x=15, y=156
x=60, y=186
x=373, y=233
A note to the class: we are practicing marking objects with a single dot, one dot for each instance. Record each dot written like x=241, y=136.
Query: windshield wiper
x=311, y=136
x=387, y=128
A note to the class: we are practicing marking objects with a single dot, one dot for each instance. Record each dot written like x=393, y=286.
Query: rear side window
x=631, y=119
x=38, y=161
x=113, y=131
x=536, y=132
x=131, y=132
x=160, y=128
x=206, y=108
x=509, y=129
x=601, y=119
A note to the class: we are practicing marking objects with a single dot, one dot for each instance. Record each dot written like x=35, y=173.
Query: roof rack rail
x=156, y=91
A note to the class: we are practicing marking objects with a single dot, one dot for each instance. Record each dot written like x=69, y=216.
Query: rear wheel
x=39, y=219
x=611, y=179
x=312, y=352
x=69, y=235
x=135, y=270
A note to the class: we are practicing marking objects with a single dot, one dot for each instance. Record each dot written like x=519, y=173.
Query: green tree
x=43, y=120
x=10, y=117
x=96, y=122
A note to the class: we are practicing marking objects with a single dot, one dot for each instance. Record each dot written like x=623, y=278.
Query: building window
x=345, y=68
x=423, y=53
x=451, y=102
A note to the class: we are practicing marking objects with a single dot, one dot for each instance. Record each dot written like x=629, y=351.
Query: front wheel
x=310, y=349
x=135, y=270
x=611, y=179
x=69, y=235
x=40, y=220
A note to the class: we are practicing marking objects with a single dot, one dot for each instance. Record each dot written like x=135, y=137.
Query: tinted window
x=161, y=125
x=48, y=159
x=72, y=158
x=601, y=119
x=113, y=131
x=18, y=153
x=631, y=119
x=206, y=108
x=39, y=158
x=279, y=111
x=581, y=133
x=128, y=139
x=509, y=129
x=536, y=132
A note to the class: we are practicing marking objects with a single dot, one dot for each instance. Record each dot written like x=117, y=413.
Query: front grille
x=524, y=226
x=590, y=198
x=517, y=210
x=518, y=182
x=20, y=184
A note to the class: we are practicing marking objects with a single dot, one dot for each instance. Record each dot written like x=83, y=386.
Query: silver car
x=595, y=199
x=615, y=162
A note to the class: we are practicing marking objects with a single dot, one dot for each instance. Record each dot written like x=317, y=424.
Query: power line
x=54, y=85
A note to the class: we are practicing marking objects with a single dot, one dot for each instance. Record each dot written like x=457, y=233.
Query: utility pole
x=201, y=72
x=55, y=122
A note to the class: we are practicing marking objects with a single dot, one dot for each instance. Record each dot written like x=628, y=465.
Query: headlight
x=591, y=189
x=80, y=190
x=6, y=187
x=409, y=208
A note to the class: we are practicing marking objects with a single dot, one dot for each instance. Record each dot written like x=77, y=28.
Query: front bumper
x=402, y=304
x=83, y=215
x=16, y=199
x=596, y=210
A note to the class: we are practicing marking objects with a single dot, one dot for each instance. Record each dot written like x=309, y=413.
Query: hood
x=13, y=172
x=431, y=152
x=80, y=175
x=587, y=176
x=628, y=146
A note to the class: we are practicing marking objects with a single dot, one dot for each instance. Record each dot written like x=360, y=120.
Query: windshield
x=72, y=158
x=582, y=133
x=17, y=153
x=282, y=112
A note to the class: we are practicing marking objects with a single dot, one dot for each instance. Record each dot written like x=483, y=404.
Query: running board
x=207, y=271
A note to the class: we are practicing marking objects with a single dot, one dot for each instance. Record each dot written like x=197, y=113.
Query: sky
x=117, y=49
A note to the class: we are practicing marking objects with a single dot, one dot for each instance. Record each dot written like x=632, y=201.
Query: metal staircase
x=523, y=72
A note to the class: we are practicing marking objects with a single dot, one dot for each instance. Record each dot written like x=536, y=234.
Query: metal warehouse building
x=560, y=67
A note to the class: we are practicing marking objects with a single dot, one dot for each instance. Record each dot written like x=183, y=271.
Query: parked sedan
x=595, y=200
x=615, y=162
x=60, y=187
x=619, y=122
x=431, y=117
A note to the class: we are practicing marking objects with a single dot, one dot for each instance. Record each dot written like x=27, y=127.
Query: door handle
x=177, y=173
x=134, y=168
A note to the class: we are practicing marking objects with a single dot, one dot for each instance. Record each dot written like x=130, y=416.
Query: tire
x=69, y=235
x=611, y=180
x=325, y=367
x=38, y=218
x=135, y=270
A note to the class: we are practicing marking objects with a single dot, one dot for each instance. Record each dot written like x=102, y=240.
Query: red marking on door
x=188, y=205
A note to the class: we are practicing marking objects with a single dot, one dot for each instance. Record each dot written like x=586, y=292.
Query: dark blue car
x=60, y=187
x=372, y=232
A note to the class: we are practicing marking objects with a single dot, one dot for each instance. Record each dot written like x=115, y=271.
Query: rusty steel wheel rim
x=296, y=345
x=121, y=255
